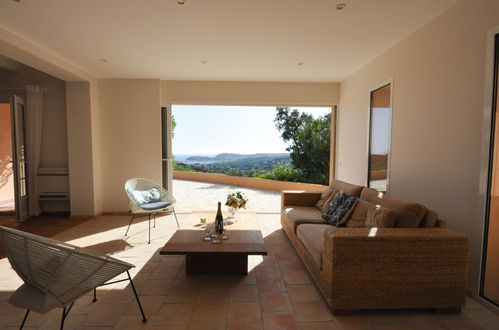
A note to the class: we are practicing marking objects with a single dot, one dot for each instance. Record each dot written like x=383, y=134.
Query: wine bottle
x=219, y=220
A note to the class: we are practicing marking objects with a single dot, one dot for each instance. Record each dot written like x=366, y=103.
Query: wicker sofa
x=378, y=268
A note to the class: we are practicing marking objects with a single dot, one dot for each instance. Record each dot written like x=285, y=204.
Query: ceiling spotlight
x=340, y=6
x=203, y=62
x=103, y=60
x=300, y=63
x=180, y=2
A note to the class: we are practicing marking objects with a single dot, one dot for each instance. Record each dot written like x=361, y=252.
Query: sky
x=210, y=130
x=380, y=131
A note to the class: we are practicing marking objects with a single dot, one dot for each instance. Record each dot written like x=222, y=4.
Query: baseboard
x=82, y=217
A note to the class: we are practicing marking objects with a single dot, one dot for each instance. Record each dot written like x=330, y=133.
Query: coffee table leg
x=216, y=264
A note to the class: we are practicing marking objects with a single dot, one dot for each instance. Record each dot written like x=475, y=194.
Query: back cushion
x=324, y=197
x=407, y=214
x=430, y=219
x=357, y=215
x=349, y=189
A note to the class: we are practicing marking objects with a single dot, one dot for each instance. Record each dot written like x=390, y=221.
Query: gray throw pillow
x=339, y=206
x=140, y=197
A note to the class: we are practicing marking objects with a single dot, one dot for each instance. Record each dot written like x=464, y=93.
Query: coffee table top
x=245, y=236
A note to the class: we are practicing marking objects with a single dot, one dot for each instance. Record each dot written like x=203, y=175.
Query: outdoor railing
x=241, y=181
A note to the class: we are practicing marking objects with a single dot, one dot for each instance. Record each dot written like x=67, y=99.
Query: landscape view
x=287, y=144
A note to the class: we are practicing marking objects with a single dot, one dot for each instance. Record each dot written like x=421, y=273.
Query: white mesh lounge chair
x=55, y=274
x=147, y=198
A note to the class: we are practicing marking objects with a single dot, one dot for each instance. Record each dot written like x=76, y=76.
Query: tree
x=174, y=125
x=308, y=142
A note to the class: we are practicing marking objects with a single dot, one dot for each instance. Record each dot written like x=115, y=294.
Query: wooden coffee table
x=227, y=258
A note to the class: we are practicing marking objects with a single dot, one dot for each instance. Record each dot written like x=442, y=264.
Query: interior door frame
x=19, y=201
x=369, y=126
x=492, y=143
x=8, y=100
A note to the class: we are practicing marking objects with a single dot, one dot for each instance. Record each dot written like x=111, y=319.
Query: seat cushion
x=295, y=215
x=349, y=189
x=312, y=237
x=29, y=297
x=155, y=206
x=407, y=214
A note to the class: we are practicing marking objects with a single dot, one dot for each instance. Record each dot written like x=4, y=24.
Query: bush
x=284, y=172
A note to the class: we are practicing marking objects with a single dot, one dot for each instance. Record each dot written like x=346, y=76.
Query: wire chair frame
x=137, y=211
x=61, y=271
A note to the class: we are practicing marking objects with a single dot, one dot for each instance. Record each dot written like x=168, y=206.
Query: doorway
x=7, y=194
x=13, y=164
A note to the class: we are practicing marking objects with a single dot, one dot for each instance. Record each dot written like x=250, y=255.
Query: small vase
x=232, y=212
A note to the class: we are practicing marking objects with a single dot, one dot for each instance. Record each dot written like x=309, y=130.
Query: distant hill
x=230, y=157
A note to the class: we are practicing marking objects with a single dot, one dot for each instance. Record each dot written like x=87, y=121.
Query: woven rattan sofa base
x=389, y=268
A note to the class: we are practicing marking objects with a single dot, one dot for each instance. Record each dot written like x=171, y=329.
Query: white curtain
x=34, y=112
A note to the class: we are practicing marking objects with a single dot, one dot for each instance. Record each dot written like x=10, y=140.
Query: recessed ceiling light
x=103, y=60
x=300, y=63
x=203, y=62
x=180, y=2
x=340, y=6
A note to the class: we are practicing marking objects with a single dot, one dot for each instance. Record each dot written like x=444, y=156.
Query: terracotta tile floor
x=277, y=293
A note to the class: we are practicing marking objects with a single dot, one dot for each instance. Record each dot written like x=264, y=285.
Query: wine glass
x=207, y=236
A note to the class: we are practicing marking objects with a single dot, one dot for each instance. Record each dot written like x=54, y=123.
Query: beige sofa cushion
x=312, y=237
x=380, y=217
x=325, y=196
x=349, y=189
x=295, y=215
x=357, y=215
x=407, y=214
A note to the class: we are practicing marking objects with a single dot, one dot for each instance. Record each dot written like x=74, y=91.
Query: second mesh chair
x=147, y=198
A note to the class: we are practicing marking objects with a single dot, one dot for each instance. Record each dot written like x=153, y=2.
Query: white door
x=19, y=151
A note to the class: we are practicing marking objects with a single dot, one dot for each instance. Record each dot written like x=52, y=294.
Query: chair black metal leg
x=133, y=216
x=149, y=229
x=154, y=217
x=63, y=317
x=175, y=217
x=95, y=295
x=24, y=319
x=144, y=320
x=65, y=312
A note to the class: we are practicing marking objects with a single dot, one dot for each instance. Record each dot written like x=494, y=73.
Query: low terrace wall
x=242, y=181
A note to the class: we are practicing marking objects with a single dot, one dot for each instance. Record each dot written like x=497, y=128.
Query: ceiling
x=226, y=40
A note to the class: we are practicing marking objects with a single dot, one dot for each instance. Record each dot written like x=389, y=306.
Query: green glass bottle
x=219, y=220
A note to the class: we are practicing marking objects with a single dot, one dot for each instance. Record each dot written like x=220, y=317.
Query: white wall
x=438, y=98
x=248, y=93
x=130, y=136
x=81, y=159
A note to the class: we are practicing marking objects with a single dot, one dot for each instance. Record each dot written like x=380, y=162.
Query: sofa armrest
x=407, y=267
x=299, y=197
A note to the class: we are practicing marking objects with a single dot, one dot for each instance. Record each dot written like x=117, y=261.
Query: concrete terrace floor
x=277, y=294
x=194, y=195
